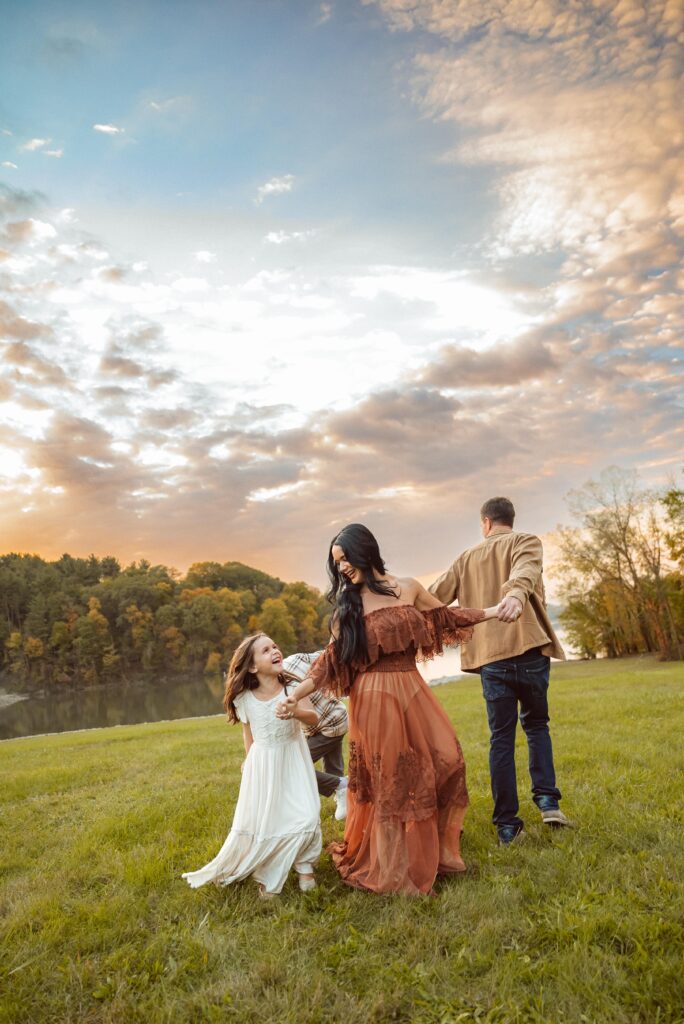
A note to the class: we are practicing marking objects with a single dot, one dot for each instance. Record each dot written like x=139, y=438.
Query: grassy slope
x=578, y=926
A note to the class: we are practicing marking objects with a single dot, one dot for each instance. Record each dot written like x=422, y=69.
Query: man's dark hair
x=499, y=510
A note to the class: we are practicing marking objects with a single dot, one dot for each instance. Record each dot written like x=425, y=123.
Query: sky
x=272, y=266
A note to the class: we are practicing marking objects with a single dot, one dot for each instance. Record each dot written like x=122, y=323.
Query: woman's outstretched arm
x=300, y=692
x=304, y=711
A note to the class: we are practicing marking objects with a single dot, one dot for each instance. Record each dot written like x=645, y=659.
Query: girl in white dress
x=277, y=817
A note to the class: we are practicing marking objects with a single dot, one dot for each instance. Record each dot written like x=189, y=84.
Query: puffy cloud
x=21, y=355
x=134, y=353
x=18, y=327
x=108, y=129
x=612, y=35
x=34, y=144
x=280, y=237
x=275, y=187
x=119, y=366
x=408, y=437
x=505, y=365
x=169, y=419
x=31, y=231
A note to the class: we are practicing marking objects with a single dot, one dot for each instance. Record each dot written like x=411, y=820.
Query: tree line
x=88, y=620
x=621, y=568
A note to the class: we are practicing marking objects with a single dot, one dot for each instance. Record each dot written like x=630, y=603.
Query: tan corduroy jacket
x=506, y=562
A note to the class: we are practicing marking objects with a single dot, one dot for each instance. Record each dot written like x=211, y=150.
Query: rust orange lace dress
x=407, y=787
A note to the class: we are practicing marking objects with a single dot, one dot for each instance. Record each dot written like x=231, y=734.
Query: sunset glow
x=303, y=264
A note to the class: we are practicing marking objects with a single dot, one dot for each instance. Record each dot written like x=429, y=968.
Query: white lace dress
x=277, y=818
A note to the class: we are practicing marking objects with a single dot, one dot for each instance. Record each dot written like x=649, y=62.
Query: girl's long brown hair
x=239, y=677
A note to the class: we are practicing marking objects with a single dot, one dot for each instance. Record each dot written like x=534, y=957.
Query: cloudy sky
x=271, y=266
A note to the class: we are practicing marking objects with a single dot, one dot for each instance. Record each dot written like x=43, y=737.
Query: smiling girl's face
x=345, y=567
x=266, y=657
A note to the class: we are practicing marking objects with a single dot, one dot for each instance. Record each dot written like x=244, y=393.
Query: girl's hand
x=286, y=708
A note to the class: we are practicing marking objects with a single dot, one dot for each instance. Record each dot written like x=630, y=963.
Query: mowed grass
x=575, y=926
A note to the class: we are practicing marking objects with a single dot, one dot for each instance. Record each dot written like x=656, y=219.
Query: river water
x=115, y=704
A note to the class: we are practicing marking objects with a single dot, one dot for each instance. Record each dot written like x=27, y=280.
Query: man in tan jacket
x=512, y=656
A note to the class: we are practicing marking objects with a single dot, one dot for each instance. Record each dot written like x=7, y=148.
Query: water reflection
x=120, y=704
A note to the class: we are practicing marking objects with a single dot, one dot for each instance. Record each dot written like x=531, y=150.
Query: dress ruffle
x=394, y=629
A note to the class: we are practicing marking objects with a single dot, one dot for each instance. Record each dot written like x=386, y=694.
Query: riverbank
x=98, y=926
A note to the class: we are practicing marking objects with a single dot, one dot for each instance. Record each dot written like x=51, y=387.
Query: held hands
x=510, y=609
x=286, y=708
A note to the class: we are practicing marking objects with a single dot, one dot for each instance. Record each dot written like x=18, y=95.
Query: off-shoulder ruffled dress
x=407, y=782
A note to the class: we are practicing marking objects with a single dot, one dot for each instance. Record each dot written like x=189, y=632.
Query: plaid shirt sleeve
x=332, y=714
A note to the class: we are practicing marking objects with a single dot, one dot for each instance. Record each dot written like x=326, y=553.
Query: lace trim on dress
x=393, y=630
x=413, y=789
x=395, y=627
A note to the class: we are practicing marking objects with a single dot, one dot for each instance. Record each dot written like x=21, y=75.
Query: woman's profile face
x=266, y=657
x=344, y=566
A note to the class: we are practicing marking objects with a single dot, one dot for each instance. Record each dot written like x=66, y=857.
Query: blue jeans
x=522, y=680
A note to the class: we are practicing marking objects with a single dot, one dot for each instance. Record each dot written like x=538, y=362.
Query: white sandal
x=306, y=882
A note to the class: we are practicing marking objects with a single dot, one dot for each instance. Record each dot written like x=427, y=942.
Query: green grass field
x=576, y=926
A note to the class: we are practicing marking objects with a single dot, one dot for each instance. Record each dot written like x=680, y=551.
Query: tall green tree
x=275, y=620
x=614, y=564
x=673, y=503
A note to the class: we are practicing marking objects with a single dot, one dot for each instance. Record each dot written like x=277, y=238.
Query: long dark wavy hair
x=349, y=628
x=239, y=676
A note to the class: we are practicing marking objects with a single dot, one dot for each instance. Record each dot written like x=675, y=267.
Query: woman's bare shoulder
x=413, y=592
x=408, y=588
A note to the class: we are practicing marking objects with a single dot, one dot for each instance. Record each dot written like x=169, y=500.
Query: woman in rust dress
x=407, y=788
